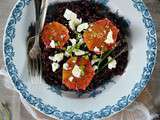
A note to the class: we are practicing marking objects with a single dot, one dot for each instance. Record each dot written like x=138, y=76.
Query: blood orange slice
x=86, y=75
x=56, y=33
x=96, y=35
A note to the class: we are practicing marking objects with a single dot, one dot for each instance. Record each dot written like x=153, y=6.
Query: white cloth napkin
x=136, y=111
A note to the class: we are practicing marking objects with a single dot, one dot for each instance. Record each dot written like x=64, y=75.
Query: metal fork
x=33, y=44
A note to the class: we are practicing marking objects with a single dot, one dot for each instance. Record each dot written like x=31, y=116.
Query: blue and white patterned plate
x=115, y=97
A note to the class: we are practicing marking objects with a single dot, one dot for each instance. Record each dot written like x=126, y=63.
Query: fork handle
x=44, y=8
x=41, y=10
x=38, y=4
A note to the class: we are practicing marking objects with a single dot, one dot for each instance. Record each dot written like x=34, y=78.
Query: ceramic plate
x=100, y=104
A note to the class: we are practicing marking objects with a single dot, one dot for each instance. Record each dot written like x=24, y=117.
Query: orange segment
x=55, y=32
x=97, y=34
x=85, y=78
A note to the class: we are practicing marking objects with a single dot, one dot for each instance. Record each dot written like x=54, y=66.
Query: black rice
x=89, y=12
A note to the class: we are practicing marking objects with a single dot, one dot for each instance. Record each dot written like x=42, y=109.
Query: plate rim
x=52, y=111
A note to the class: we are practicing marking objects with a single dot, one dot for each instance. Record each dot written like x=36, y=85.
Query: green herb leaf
x=75, y=58
x=50, y=37
x=86, y=56
x=57, y=43
x=113, y=58
x=78, y=36
x=105, y=55
x=95, y=57
x=82, y=70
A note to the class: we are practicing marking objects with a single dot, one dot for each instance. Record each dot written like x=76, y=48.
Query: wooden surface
x=153, y=87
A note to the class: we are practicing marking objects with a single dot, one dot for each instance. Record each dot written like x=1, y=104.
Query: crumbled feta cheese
x=73, y=23
x=97, y=50
x=80, y=38
x=76, y=71
x=82, y=27
x=95, y=67
x=55, y=66
x=73, y=41
x=68, y=47
x=81, y=41
x=71, y=79
x=69, y=15
x=94, y=61
x=67, y=54
x=112, y=64
x=51, y=58
x=53, y=44
x=79, y=52
x=57, y=57
x=65, y=66
x=73, y=20
x=109, y=39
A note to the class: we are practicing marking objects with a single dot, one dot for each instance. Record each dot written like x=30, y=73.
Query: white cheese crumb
x=69, y=15
x=97, y=50
x=80, y=38
x=76, y=71
x=68, y=47
x=65, y=66
x=94, y=61
x=109, y=39
x=95, y=67
x=55, y=66
x=67, y=54
x=57, y=57
x=112, y=64
x=53, y=44
x=71, y=79
x=79, y=52
x=73, y=41
x=81, y=41
x=73, y=20
x=82, y=27
x=73, y=23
